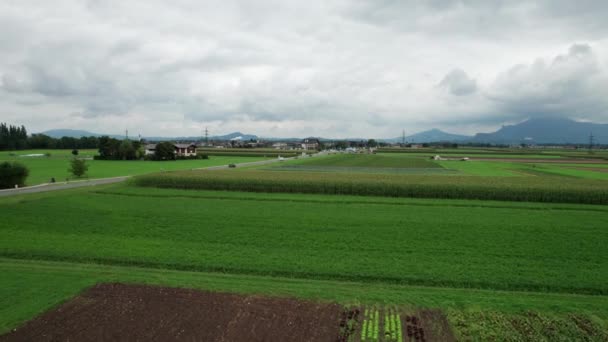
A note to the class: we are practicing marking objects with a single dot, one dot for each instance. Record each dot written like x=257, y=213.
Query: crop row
x=527, y=189
x=390, y=322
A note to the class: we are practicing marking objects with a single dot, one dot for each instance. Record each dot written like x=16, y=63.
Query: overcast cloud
x=300, y=68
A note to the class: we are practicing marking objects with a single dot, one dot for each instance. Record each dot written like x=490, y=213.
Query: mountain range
x=76, y=133
x=532, y=131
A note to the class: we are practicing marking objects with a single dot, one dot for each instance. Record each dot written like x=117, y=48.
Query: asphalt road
x=103, y=181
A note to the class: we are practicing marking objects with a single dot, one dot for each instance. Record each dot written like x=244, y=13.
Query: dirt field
x=118, y=312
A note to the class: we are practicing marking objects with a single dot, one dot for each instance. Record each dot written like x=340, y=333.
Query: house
x=311, y=144
x=181, y=150
x=185, y=150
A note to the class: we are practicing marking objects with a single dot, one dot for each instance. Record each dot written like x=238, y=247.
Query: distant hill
x=76, y=133
x=72, y=133
x=433, y=135
x=546, y=131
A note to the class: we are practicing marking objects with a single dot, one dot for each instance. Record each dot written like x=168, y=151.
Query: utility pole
x=126, y=133
x=590, y=142
x=403, y=138
x=206, y=136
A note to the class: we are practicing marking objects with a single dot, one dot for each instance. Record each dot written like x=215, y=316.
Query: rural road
x=101, y=181
x=61, y=186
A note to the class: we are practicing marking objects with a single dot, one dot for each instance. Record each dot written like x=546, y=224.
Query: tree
x=74, y=152
x=12, y=174
x=372, y=143
x=78, y=167
x=126, y=151
x=164, y=151
x=341, y=145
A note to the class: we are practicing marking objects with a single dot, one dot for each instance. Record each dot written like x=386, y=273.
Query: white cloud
x=290, y=68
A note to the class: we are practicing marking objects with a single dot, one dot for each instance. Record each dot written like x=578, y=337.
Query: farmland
x=516, y=254
x=532, y=189
x=462, y=256
x=42, y=169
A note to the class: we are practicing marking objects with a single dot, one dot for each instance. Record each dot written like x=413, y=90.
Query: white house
x=181, y=150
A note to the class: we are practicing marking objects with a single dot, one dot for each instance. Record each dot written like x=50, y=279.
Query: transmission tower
x=206, y=136
x=590, y=141
x=403, y=138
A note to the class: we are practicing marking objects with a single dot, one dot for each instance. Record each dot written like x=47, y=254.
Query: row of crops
x=527, y=189
x=374, y=328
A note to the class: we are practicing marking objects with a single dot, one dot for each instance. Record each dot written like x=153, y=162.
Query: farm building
x=311, y=144
x=182, y=150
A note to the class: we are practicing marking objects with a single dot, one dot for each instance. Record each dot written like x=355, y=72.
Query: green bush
x=11, y=174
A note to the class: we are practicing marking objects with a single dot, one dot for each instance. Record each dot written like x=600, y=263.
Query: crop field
x=463, y=254
x=531, y=188
x=363, y=163
x=494, y=250
x=42, y=169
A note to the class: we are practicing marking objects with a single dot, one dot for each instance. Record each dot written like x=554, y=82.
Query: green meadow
x=43, y=168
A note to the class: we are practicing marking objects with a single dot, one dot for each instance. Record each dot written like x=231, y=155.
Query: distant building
x=181, y=150
x=311, y=144
x=280, y=146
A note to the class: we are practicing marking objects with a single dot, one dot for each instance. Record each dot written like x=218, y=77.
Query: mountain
x=433, y=135
x=546, y=131
x=231, y=136
x=72, y=133
x=76, y=133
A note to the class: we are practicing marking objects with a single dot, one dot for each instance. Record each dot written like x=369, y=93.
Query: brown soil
x=543, y=160
x=117, y=312
x=436, y=326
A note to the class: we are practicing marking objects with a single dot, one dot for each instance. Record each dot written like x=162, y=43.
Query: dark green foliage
x=74, y=152
x=11, y=174
x=525, y=189
x=12, y=137
x=78, y=167
x=114, y=149
x=164, y=151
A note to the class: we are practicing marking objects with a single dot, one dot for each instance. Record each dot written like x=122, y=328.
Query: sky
x=333, y=68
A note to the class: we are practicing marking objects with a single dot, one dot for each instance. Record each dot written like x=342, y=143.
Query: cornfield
x=526, y=189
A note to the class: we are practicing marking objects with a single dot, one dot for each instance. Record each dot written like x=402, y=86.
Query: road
x=102, y=181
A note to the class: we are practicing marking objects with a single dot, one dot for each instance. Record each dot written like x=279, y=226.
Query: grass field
x=472, y=258
x=42, y=169
x=368, y=161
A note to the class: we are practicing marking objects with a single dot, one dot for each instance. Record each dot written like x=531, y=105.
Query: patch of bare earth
x=118, y=312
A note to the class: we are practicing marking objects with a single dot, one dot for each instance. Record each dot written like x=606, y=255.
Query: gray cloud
x=458, y=83
x=569, y=85
x=286, y=67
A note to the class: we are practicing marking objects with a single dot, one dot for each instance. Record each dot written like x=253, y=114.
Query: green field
x=42, y=169
x=532, y=188
x=499, y=266
x=368, y=161
x=463, y=255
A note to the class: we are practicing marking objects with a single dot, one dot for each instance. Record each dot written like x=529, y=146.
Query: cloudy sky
x=299, y=68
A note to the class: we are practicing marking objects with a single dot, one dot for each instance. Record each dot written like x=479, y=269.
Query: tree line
x=16, y=138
